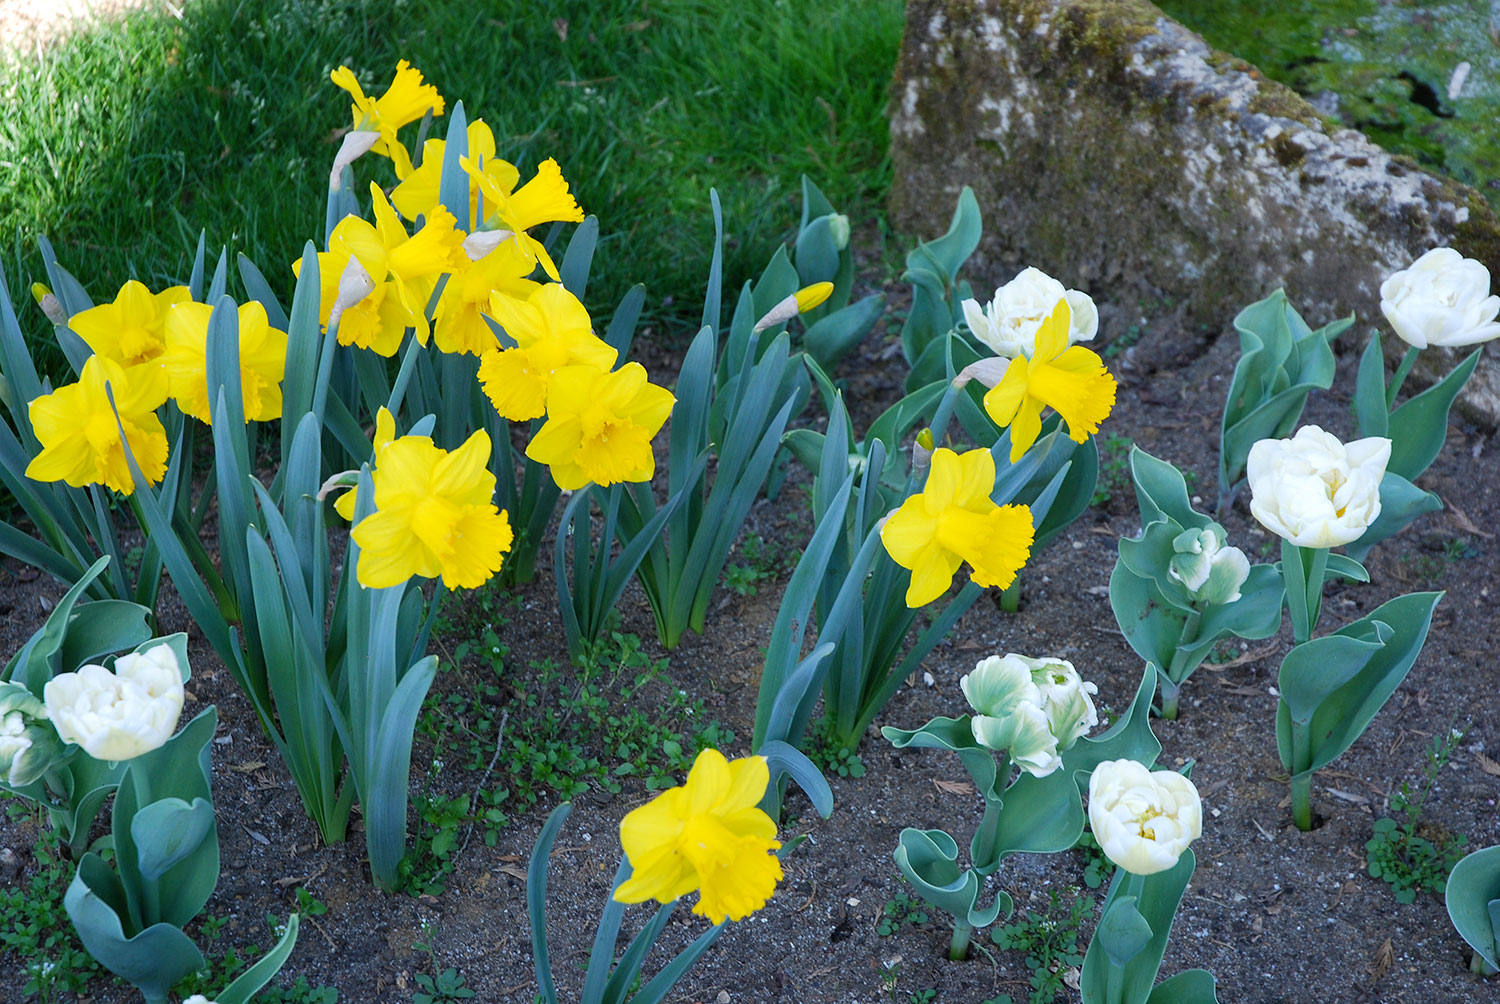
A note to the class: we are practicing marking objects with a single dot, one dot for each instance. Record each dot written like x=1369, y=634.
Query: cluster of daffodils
x=112, y=716
x=148, y=348
x=1033, y=709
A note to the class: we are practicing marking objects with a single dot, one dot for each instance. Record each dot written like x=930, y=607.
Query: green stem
x=1400, y=377
x=1478, y=965
x=1010, y=596
x=1302, y=801
x=1303, y=570
x=1131, y=885
x=962, y=931
x=985, y=850
x=1170, y=692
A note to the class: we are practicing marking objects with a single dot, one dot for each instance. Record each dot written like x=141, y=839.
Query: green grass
x=123, y=142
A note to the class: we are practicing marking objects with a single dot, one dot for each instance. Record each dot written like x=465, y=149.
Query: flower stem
x=944, y=413
x=1010, y=596
x=1478, y=965
x=1400, y=377
x=1179, y=670
x=962, y=931
x=1170, y=692
x=1302, y=801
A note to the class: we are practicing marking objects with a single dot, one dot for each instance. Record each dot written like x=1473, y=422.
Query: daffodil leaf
x=250, y=982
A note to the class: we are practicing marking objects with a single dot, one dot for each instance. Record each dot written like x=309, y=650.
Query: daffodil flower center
x=433, y=520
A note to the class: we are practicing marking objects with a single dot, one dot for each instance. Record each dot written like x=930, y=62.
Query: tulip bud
x=1210, y=571
x=838, y=229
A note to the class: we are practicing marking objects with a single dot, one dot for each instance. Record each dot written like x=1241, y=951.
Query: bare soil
x=1277, y=915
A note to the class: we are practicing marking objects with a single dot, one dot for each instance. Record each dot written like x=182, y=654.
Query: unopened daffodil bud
x=49, y=303
x=800, y=302
x=921, y=452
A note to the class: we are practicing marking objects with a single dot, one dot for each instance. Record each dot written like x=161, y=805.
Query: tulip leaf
x=152, y=959
x=1401, y=502
x=1313, y=670
x=1130, y=738
x=1343, y=714
x=1123, y=931
x=833, y=337
x=1347, y=567
x=929, y=861
x=37, y=662
x=1193, y=986
x=1255, y=615
x=1419, y=427
x=1155, y=901
x=1041, y=815
x=101, y=627
x=1369, y=393
x=957, y=736
x=1151, y=625
x=932, y=268
x=1473, y=897
x=166, y=831
x=1161, y=492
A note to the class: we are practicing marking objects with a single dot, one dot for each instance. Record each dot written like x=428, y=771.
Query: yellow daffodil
x=406, y=100
x=419, y=190
x=404, y=269
x=805, y=299
x=543, y=199
x=599, y=426
x=459, y=323
x=1071, y=381
x=551, y=329
x=707, y=835
x=952, y=521
x=80, y=439
x=131, y=330
x=262, y=361
x=385, y=434
x=434, y=513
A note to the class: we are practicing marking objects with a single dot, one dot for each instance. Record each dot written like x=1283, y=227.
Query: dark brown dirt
x=1277, y=915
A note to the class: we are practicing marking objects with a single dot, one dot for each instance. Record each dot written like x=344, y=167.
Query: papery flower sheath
x=262, y=361
x=953, y=521
x=80, y=439
x=551, y=329
x=1070, y=380
x=708, y=835
x=543, y=199
x=433, y=515
x=600, y=425
x=406, y=100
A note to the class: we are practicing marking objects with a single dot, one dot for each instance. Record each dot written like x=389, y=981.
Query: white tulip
x=1315, y=491
x=1143, y=819
x=120, y=715
x=13, y=739
x=1066, y=698
x=1000, y=685
x=1009, y=323
x=198, y=999
x=1025, y=734
x=1209, y=570
x=1442, y=299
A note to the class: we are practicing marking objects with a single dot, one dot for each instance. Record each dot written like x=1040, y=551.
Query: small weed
x=1096, y=867
x=923, y=996
x=300, y=992
x=34, y=928
x=890, y=973
x=1457, y=549
x=1050, y=941
x=763, y=561
x=1224, y=651
x=565, y=731
x=842, y=760
x=1120, y=344
x=903, y=911
x=1412, y=856
x=1114, y=468
x=1430, y=569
